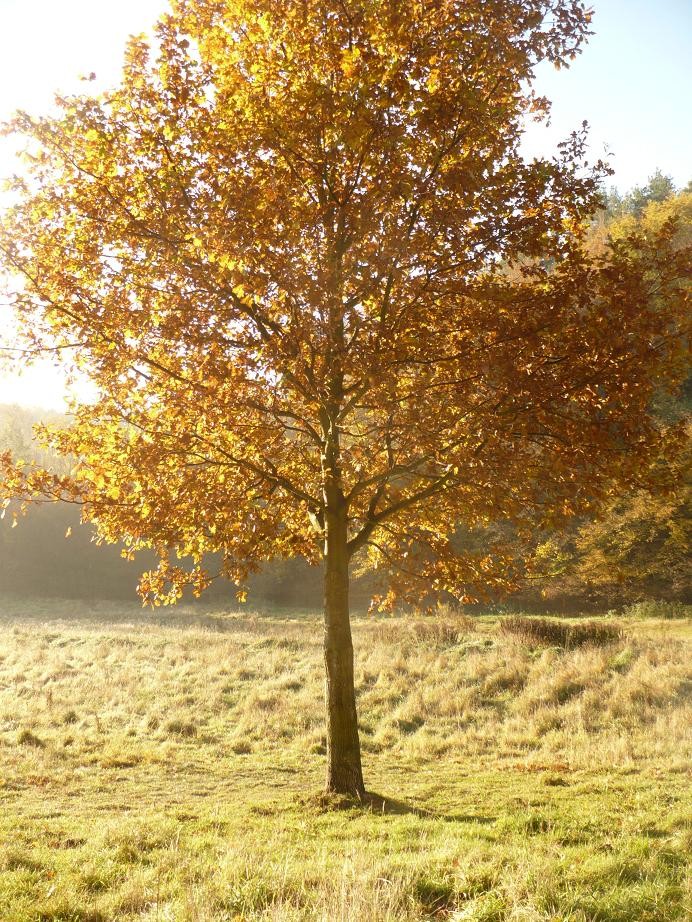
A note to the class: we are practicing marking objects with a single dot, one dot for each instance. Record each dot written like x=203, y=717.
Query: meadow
x=168, y=766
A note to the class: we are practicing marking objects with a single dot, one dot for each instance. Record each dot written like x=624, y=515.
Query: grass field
x=168, y=768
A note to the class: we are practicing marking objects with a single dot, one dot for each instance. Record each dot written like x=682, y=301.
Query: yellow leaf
x=349, y=60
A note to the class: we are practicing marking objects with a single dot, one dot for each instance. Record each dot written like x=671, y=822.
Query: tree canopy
x=658, y=188
x=637, y=546
x=260, y=238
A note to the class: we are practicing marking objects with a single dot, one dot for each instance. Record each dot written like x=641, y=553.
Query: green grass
x=157, y=770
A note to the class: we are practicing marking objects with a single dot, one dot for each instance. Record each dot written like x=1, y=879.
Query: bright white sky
x=632, y=84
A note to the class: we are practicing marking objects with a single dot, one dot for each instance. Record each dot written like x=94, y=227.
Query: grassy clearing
x=156, y=770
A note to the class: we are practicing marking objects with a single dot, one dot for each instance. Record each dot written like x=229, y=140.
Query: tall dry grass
x=425, y=687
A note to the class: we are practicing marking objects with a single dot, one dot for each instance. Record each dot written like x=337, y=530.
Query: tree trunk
x=344, y=771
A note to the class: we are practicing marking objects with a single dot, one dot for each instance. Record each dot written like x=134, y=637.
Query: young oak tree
x=329, y=309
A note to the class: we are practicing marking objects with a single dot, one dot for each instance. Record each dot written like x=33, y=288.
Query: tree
x=634, y=548
x=637, y=547
x=659, y=188
x=329, y=309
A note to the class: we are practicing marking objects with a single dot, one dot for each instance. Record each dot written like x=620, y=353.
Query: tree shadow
x=390, y=806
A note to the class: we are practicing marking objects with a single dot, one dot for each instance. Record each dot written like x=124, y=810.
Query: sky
x=632, y=83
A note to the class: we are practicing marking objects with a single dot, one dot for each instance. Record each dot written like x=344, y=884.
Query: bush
x=27, y=738
x=180, y=727
x=443, y=632
x=443, y=628
x=654, y=609
x=546, y=632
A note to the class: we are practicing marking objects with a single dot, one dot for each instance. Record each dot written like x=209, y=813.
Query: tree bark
x=344, y=770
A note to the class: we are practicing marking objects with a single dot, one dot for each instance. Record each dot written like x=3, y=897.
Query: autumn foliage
x=329, y=309
x=636, y=545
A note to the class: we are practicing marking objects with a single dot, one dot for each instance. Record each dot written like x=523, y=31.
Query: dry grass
x=160, y=771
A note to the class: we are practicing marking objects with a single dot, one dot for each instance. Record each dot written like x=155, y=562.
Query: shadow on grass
x=390, y=806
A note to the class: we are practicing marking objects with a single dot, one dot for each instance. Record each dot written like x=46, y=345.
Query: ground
x=167, y=767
